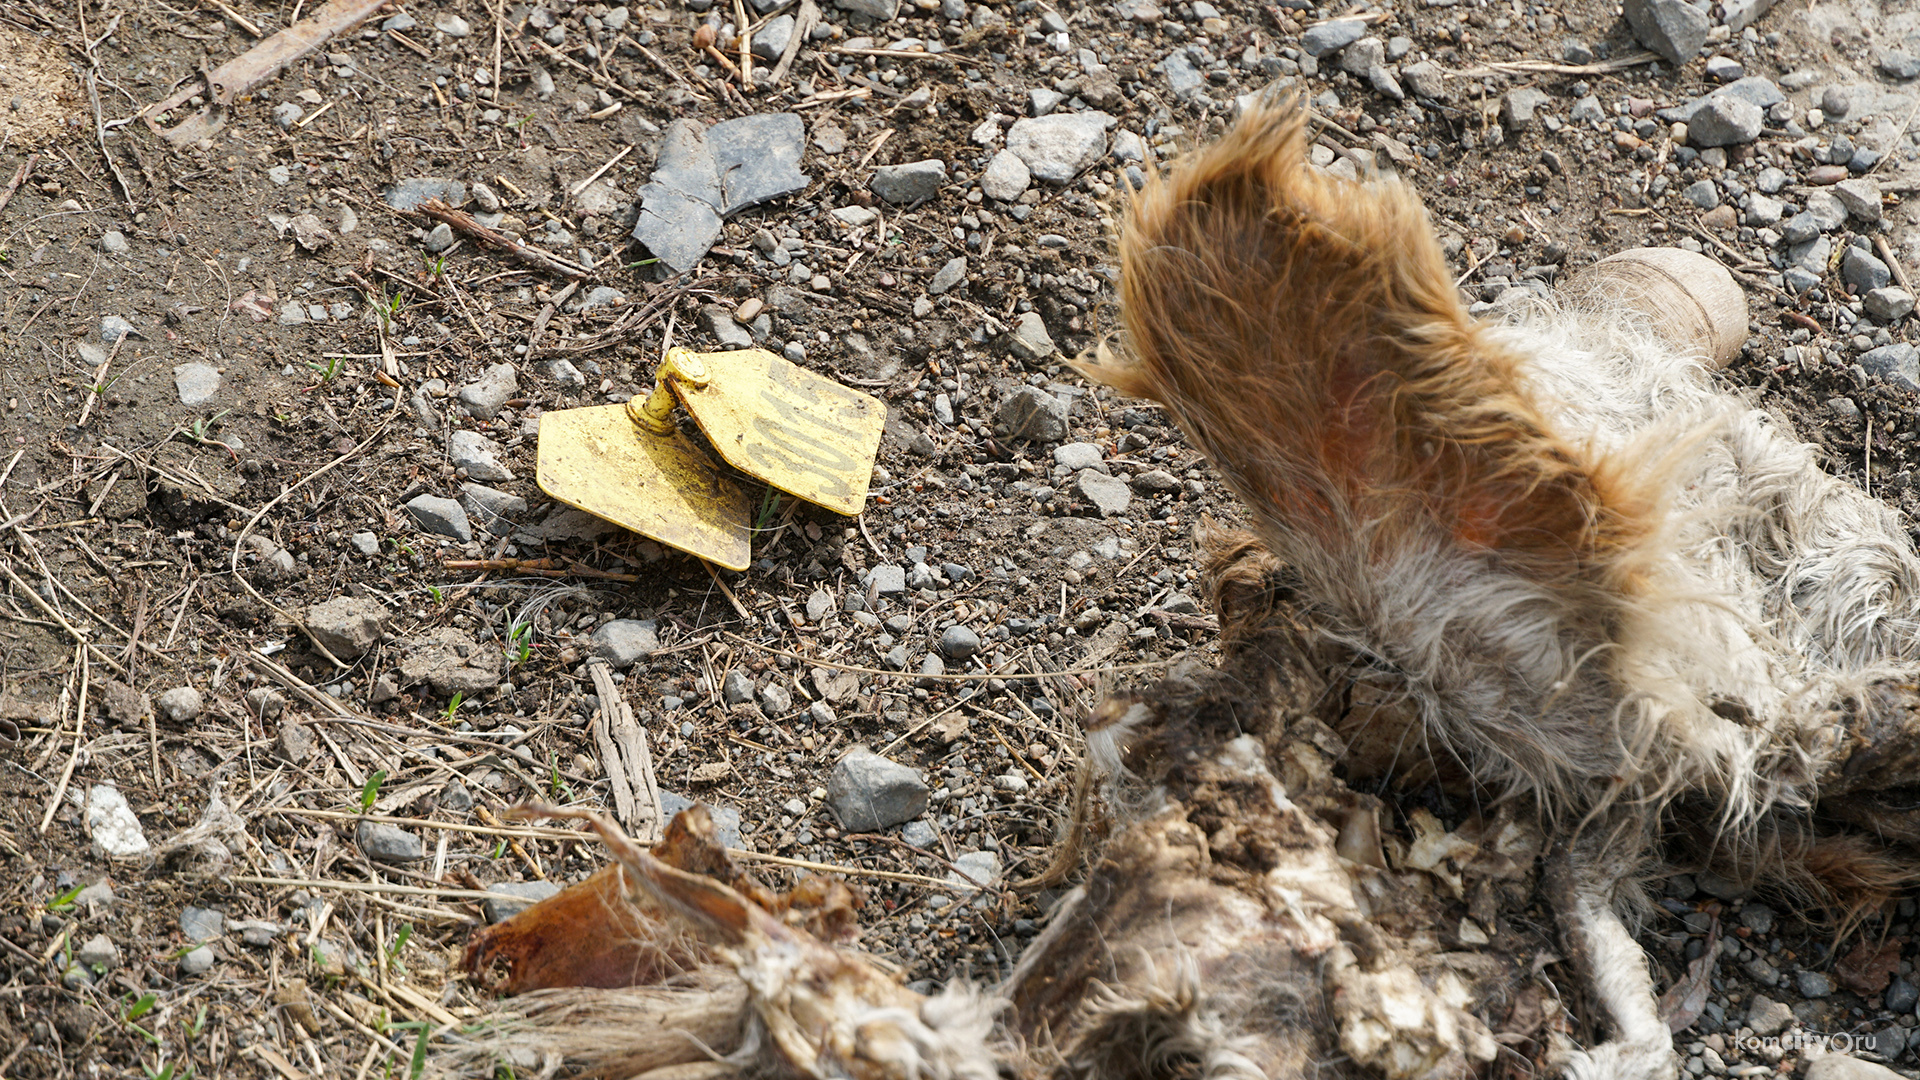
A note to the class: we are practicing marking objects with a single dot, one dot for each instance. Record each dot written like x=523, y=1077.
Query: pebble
x=442, y=517
x=1898, y=363
x=196, y=383
x=867, y=792
x=886, y=579
x=1861, y=197
x=389, y=843
x=485, y=396
x=1724, y=120
x=1032, y=413
x=111, y=823
x=478, y=455
x=409, y=194
x=99, y=953
x=113, y=328
x=455, y=797
x=515, y=897
x=950, y=275
x=919, y=834
x=451, y=25
x=202, y=924
x=1059, y=147
x=1724, y=69
x=910, y=183
x=196, y=962
x=772, y=38
x=1327, y=37
x=597, y=297
x=1704, y=194
x=819, y=605
x=1029, y=339
x=1898, y=65
x=1767, y=1016
x=1078, y=455
x=1900, y=996
x=1863, y=271
x=347, y=626
x=179, y=705
x=736, y=688
x=1814, y=984
x=725, y=329
x=1006, y=177
x=622, y=642
x=494, y=510
x=1518, y=107
x=1757, y=918
x=975, y=870
x=1673, y=28
x=1108, y=494
x=563, y=374
x=959, y=642
x=114, y=242
x=1888, y=304
x=775, y=700
x=1835, y=102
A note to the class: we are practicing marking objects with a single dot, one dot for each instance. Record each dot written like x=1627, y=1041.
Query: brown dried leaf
x=1869, y=967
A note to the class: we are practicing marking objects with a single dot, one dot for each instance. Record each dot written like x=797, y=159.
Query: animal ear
x=1306, y=333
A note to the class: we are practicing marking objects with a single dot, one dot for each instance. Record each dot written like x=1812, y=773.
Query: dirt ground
x=150, y=544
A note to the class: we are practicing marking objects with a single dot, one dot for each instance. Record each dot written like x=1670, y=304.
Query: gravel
x=389, y=843
x=442, y=517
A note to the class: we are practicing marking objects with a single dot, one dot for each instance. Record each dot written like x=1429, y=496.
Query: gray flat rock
x=409, y=194
x=758, y=158
x=442, y=517
x=196, y=383
x=348, y=625
x=624, y=641
x=674, y=228
x=1060, y=146
x=515, y=897
x=389, y=843
x=477, y=454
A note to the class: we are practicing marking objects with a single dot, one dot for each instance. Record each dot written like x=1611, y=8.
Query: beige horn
x=1691, y=299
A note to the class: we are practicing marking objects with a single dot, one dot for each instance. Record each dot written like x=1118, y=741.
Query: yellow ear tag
x=773, y=420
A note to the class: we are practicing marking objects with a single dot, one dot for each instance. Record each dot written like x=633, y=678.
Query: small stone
x=1757, y=918
x=1006, y=177
x=867, y=792
x=1029, y=339
x=1041, y=101
x=485, y=396
x=493, y=509
x=775, y=700
x=515, y=897
x=179, y=705
x=1426, y=79
x=1721, y=218
x=1724, y=69
x=98, y=954
x=1108, y=494
x=1861, y=270
x=910, y=183
x=958, y=642
x=887, y=579
x=622, y=642
x=294, y=742
x=202, y=924
x=478, y=455
x=442, y=517
x=599, y=296
x=950, y=275
x=721, y=324
x=563, y=374
x=1673, y=28
x=772, y=38
x=1155, y=482
x=819, y=605
x=1898, y=65
x=1077, y=456
x=438, y=239
x=1723, y=120
x=409, y=194
x=1835, y=102
x=1767, y=1016
x=1900, y=996
x=97, y=895
x=1032, y=413
x=111, y=823
x=1889, y=304
x=877, y=10
x=1183, y=79
x=1518, y=107
x=389, y=843
x=451, y=25
x=1327, y=37
x=1059, y=147
x=919, y=834
x=1814, y=984
x=736, y=688
x=1861, y=197
x=931, y=664
x=365, y=543
x=1898, y=363
x=455, y=797
x=196, y=383
x=1826, y=175
x=1770, y=180
x=976, y=870
x=347, y=626
x=286, y=114
x=1704, y=194
x=197, y=962
x=114, y=242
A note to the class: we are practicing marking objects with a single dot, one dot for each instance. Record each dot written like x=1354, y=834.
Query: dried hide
x=1544, y=562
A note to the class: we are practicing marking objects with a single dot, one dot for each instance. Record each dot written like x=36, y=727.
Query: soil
x=160, y=532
